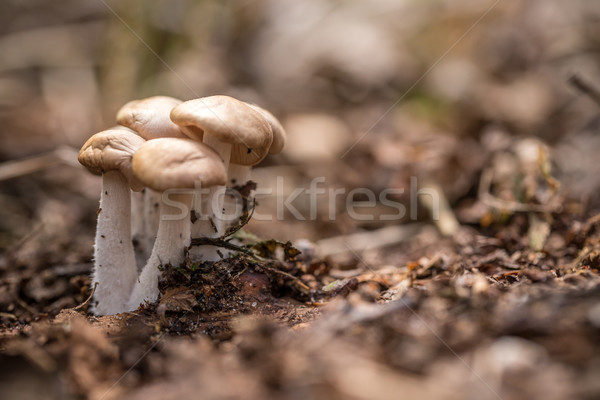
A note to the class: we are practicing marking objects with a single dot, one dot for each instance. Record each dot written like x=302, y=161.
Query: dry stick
x=28, y=165
x=287, y=275
x=221, y=242
x=29, y=236
x=8, y=316
x=585, y=88
x=27, y=307
x=218, y=242
x=89, y=299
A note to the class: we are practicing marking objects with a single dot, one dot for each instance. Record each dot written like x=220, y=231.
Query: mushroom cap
x=123, y=128
x=232, y=121
x=279, y=135
x=112, y=150
x=174, y=163
x=150, y=117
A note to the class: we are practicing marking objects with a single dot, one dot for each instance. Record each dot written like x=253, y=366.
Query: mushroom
x=149, y=118
x=239, y=134
x=239, y=174
x=109, y=153
x=172, y=166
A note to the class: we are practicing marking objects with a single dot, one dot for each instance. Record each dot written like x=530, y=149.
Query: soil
x=479, y=315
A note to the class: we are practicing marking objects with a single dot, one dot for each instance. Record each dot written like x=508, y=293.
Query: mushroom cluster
x=152, y=165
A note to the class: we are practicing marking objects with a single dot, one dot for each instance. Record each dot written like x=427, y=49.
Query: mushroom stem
x=210, y=223
x=114, y=258
x=223, y=149
x=204, y=226
x=237, y=175
x=138, y=232
x=172, y=238
x=152, y=218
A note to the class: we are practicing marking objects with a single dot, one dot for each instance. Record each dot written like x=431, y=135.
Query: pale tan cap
x=232, y=121
x=279, y=135
x=112, y=150
x=173, y=163
x=150, y=117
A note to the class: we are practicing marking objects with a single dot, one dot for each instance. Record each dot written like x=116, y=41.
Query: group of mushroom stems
x=165, y=170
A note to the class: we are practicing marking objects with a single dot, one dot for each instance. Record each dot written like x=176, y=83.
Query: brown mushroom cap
x=123, y=128
x=150, y=117
x=279, y=135
x=232, y=121
x=112, y=150
x=173, y=163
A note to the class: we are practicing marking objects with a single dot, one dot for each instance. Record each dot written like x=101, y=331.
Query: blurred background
x=370, y=94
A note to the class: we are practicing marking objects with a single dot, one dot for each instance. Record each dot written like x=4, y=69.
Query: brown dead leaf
x=177, y=299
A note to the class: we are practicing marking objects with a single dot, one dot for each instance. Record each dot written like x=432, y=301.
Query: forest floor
x=479, y=315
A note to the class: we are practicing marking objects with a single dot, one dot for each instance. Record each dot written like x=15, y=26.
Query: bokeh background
x=438, y=85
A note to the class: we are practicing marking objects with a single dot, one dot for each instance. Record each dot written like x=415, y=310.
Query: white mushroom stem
x=204, y=227
x=152, y=201
x=172, y=238
x=138, y=232
x=237, y=175
x=209, y=223
x=221, y=148
x=114, y=260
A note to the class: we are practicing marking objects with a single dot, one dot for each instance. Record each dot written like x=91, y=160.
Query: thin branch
x=219, y=242
x=88, y=300
x=585, y=87
x=28, y=165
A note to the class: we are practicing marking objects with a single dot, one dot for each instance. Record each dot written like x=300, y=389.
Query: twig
x=287, y=275
x=27, y=307
x=584, y=87
x=222, y=240
x=8, y=315
x=16, y=168
x=244, y=219
x=219, y=242
x=88, y=300
x=29, y=236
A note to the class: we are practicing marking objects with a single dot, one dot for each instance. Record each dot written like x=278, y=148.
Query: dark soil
x=481, y=310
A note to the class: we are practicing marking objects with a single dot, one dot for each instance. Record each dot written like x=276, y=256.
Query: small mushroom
x=233, y=129
x=238, y=174
x=109, y=153
x=238, y=133
x=150, y=119
x=279, y=135
x=173, y=167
